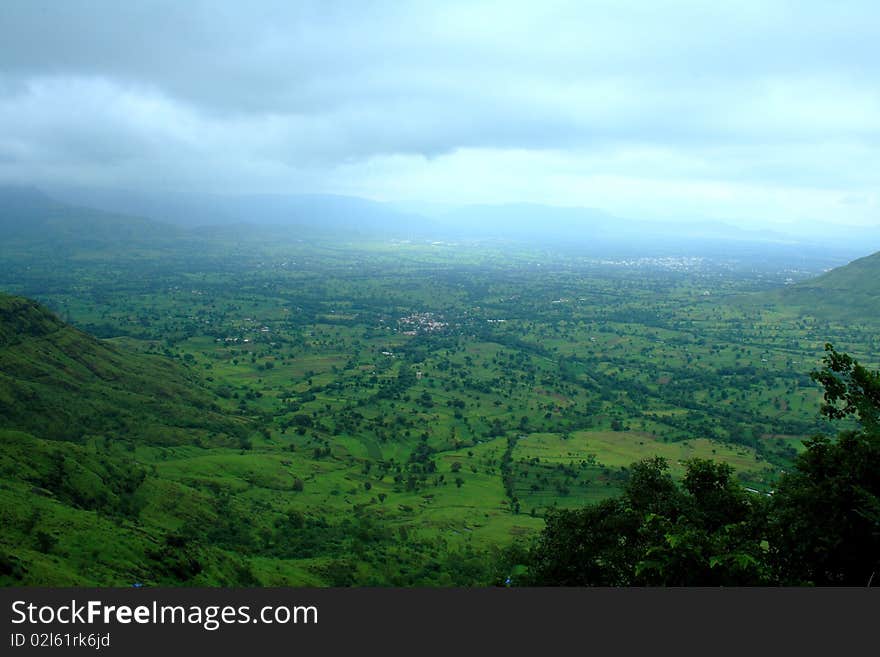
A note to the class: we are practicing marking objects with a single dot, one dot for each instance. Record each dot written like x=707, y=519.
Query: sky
x=754, y=113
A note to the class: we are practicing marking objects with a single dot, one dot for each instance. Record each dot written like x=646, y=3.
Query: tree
x=850, y=389
x=650, y=488
x=825, y=521
x=593, y=546
x=45, y=542
x=716, y=539
x=715, y=498
x=821, y=527
x=657, y=534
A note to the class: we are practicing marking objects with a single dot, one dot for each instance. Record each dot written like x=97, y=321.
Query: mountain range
x=314, y=214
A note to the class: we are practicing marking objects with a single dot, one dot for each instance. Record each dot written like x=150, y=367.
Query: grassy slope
x=72, y=409
x=59, y=383
x=849, y=291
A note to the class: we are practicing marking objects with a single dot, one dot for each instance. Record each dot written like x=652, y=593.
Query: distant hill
x=544, y=222
x=849, y=291
x=96, y=221
x=248, y=216
x=342, y=216
x=62, y=384
x=31, y=219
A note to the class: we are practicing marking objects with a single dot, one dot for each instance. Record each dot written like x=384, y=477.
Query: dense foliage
x=820, y=526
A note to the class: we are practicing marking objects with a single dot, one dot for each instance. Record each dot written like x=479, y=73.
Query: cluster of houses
x=233, y=339
x=421, y=323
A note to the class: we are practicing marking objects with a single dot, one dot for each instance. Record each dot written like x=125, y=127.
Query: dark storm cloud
x=281, y=95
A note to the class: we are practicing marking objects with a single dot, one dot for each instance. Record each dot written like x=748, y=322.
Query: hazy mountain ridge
x=116, y=217
x=312, y=211
x=363, y=216
x=31, y=217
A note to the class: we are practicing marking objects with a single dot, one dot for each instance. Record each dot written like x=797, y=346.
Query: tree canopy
x=821, y=526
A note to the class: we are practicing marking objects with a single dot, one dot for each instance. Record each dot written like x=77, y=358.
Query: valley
x=247, y=410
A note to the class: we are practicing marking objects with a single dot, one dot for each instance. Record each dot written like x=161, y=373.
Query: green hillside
x=849, y=291
x=61, y=384
x=86, y=515
x=75, y=497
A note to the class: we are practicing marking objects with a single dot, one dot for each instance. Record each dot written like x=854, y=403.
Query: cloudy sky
x=746, y=111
